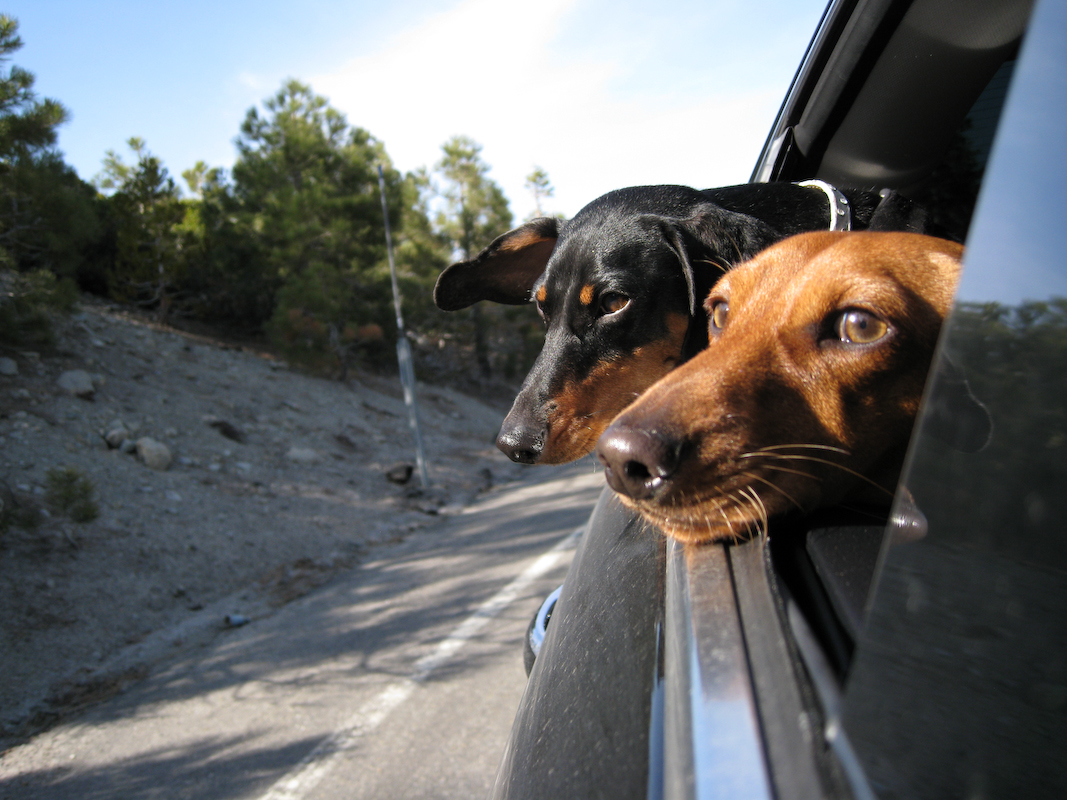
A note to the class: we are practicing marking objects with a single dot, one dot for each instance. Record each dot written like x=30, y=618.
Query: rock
x=77, y=382
x=155, y=455
x=302, y=455
x=116, y=433
x=228, y=430
x=346, y=443
x=401, y=473
x=8, y=367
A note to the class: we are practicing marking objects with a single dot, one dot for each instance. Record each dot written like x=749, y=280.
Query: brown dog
x=819, y=351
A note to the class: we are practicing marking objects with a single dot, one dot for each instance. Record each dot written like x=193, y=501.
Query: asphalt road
x=398, y=681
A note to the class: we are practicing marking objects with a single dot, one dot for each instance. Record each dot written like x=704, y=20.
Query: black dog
x=621, y=287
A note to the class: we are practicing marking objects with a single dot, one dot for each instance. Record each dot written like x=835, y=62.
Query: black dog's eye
x=860, y=327
x=613, y=302
x=720, y=311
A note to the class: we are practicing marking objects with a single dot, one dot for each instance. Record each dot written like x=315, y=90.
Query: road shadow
x=345, y=630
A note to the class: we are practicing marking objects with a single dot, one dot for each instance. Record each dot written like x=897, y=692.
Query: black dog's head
x=619, y=287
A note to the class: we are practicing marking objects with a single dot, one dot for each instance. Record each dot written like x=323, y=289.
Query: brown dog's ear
x=710, y=242
x=504, y=272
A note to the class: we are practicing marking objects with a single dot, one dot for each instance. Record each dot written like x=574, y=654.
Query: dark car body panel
x=588, y=700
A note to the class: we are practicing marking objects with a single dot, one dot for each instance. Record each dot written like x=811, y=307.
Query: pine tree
x=26, y=123
x=307, y=185
x=147, y=210
x=48, y=216
x=476, y=212
x=539, y=186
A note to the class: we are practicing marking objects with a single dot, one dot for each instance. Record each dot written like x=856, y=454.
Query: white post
x=403, y=348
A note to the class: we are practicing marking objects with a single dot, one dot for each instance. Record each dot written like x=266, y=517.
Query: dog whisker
x=842, y=467
x=740, y=505
x=760, y=511
x=801, y=473
x=765, y=522
x=777, y=488
x=766, y=450
x=752, y=503
x=726, y=518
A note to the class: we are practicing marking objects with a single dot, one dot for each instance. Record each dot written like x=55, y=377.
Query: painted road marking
x=306, y=775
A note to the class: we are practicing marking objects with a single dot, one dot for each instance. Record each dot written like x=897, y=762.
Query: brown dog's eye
x=612, y=302
x=719, y=313
x=860, y=327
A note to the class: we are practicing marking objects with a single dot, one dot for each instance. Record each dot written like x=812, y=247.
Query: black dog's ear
x=504, y=272
x=711, y=241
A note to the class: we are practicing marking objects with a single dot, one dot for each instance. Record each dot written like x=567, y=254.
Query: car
x=919, y=655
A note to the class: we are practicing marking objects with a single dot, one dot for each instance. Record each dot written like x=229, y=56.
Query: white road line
x=316, y=764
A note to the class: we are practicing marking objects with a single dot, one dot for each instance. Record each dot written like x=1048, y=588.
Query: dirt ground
x=276, y=481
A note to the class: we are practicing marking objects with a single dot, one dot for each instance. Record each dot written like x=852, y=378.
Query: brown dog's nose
x=637, y=462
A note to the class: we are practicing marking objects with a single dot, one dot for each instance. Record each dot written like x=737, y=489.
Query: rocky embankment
x=226, y=484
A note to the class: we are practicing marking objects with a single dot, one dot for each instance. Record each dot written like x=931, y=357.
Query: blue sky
x=599, y=93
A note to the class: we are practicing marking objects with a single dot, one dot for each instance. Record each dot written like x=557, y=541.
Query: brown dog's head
x=819, y=351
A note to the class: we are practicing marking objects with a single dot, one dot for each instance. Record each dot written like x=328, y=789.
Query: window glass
x=959, y=684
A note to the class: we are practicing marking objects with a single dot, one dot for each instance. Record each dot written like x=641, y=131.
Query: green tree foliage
x=226, y=282
x=27, y=302
x=147, y=211
x=541, y=188
x=199, y=177
x=70, y=494
x=49, y=218
x=307, y=186
x=26, y=123
x=291, y=243
x=421, y=253
x=475, y=211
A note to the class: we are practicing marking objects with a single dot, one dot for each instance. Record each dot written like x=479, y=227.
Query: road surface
x=399, y=680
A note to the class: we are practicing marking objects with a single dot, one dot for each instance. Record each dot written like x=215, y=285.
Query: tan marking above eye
x=860, y=327
x=542, y=293
x=586, y=295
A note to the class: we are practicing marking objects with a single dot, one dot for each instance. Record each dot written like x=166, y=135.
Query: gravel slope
x=276, y=482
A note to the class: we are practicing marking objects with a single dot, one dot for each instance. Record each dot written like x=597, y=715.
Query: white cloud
x=253, y=81
x=488, y=70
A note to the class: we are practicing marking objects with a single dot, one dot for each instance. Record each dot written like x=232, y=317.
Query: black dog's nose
x=637, y=463
x=521, y=444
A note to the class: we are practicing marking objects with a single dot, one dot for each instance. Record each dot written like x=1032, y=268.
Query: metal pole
x=403, y=348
